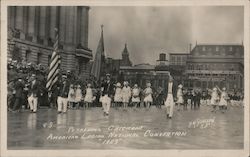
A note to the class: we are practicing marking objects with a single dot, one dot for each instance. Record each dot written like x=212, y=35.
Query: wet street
x=132, y=129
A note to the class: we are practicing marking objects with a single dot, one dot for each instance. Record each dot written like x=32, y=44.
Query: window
x=217, y=48
x=39, y=58
x=28, y=55
x=230, y=48
x=203, y=48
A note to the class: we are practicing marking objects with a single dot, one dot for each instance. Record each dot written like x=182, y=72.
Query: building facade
x=211, y=65
x=143, y=73
x=31, y=35
x=112, y=66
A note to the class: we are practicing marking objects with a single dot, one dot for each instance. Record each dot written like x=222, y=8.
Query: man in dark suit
x=33, y=93
x=107, y=89
x=63, y=91
x=18, y=98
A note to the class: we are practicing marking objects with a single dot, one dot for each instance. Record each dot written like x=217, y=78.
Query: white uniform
x=214, y=98
x=180, y=96
x=71, y=95
x=118, y=95
x=106, y=102
x=169, y=103
x=223, y=101
x=148, y=95
x=89, y=95
x=135, y=95
x=33, y=100
x=126, y=94
x=78, y=95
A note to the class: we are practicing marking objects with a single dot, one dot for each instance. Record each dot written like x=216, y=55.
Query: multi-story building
x=174, y=63
x=210, y=65
x=179, y=59
x=143, y=73
x=31, y=35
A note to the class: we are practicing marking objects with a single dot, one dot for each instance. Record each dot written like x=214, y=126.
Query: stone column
x=82, y=27
x=53, y=18
x=86, y=26
x=69, y=25
x=19, y=18
x=75, y=26
x=10, y=16
x=42, y=22
x=62, y=24
x=19, y=21
x=25, y=19
x=31, y=21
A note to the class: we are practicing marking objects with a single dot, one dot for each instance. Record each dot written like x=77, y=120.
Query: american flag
x=54, y=66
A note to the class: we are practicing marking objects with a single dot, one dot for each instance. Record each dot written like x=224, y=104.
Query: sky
x=149, y=31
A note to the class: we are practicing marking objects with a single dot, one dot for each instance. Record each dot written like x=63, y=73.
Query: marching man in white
x=107, y=90
x=169, y=103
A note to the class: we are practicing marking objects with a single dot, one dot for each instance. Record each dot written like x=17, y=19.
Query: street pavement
x=131, y=129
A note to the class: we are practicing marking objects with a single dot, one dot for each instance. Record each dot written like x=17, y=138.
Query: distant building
x=31, y=35
x=143, y=73
x=209, y=65
x=174, y=63
x=112, y=66
x=178, y=59
x=125, y=61
x=164, y=60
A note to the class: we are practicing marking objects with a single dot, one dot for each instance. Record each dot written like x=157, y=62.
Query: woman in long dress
x=214, y=98
x=148, y=95
x=89, y=97
x=78, y=97
x=180, y=99
x=126, y=94
x=135, y=96
x=223, y=99
x=118, y=95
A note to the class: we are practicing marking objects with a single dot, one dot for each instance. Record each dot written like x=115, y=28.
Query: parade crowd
x=27, y=90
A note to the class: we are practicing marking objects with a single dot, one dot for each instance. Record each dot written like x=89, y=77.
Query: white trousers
x=169, y=103
x=62, y=104
x=106, y=102
x=32, y=102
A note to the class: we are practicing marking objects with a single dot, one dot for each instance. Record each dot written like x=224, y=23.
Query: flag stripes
x=54, y=65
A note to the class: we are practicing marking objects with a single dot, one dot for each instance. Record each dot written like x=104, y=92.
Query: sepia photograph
x=92, y=77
